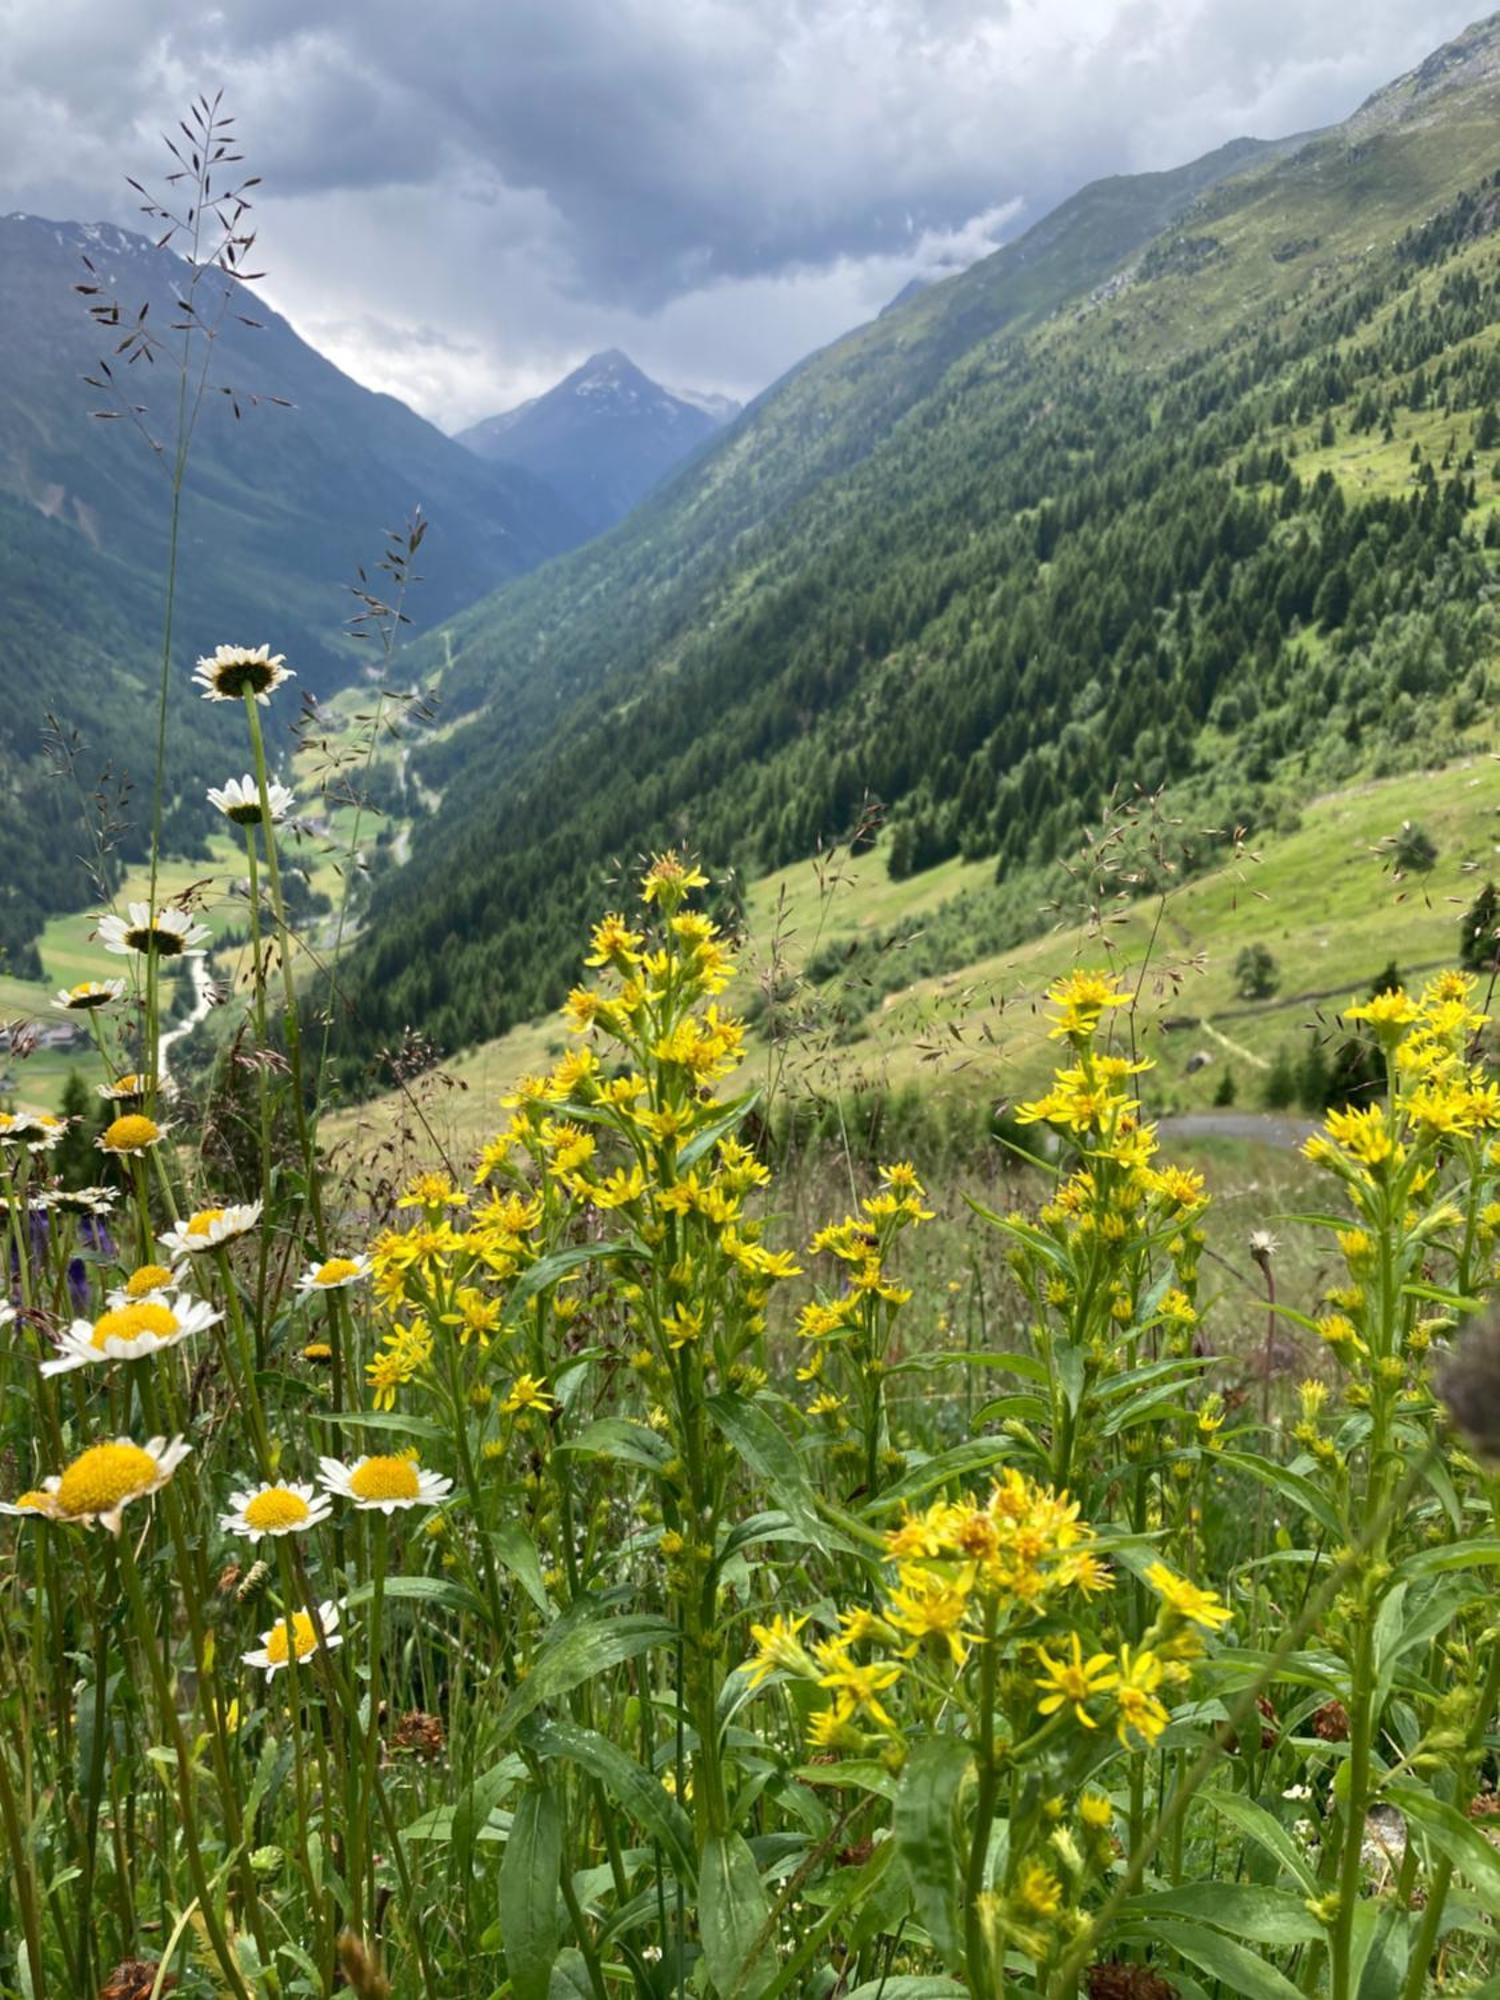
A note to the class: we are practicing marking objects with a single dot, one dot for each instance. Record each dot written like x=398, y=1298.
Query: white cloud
x=462, y=201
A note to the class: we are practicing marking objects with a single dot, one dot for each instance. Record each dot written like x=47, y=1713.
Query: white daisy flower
x=285, y=1509
x=296, y=1637
x=211, y=1229
x=79, y=1201
x=89, y=994
x=124, y=1090
x=37, y=1129
x=169, y=933
x=229, y=673
x=102, y=1481
x=134, y=1133
x=149, y=1281
x=125, y=1333
x=384, y=1483
x=335, y=1274
x=240, y=801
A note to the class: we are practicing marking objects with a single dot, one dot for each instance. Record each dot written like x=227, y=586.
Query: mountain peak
x=603, y=436
x=1470, y=61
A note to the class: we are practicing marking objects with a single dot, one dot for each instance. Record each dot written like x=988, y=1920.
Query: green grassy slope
x=1325, y=899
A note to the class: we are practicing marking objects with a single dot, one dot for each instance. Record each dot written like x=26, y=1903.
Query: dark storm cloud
x=465, y=196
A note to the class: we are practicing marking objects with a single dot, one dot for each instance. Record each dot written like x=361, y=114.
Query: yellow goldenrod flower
x=1137, y=1705
x=1199, y=1607
x=669, y=879
x=528, y=1392
x=856, y=1689
x=1071, y=1683
x=777, y=1650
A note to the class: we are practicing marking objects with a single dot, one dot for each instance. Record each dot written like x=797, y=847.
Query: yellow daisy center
x=297, y=1633
x=201, y=1223
x=104, y=1476
x=385, y=1479
x=335, y=1271
x=132, y=1133
x=130, y=1322
x=277, y=1507
x=147, y=1278
x=129, y=1085
x=34, y=1498
x=317, y=1350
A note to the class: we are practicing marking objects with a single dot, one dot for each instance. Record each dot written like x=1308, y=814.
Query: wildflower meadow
x=549, y=1585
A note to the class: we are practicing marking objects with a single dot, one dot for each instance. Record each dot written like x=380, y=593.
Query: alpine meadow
x=750, y=1136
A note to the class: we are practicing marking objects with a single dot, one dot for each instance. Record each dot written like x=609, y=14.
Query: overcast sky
x=462, y=198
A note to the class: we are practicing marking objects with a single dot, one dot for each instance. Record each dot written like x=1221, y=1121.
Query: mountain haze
x=1184, y=485
x=602, y=438
x=281, y=506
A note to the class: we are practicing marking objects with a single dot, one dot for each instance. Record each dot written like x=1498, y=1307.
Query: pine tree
x=1479, y=939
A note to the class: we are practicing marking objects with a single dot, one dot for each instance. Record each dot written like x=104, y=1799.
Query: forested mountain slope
x=1209, y=509
x=282, y=503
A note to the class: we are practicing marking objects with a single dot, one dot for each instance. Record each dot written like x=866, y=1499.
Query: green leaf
x=854, y=1890
x=1267, y=1832
x=619, y=1438
x=1454, y=1555
x=1026, y=1366
x=1035, y=1241
x=771, y=1455
x=1456, y=1837
x=517, y=1551
x=471, y=1811
x=528, y=1893
x=910, y=1986
x=1382, y=1950
x=769, y=1527
x=589, y=1646
x=387, y=1420
x=570, y=1977
x=547, y=1270
x=1300, y=1492
x=1265, y=1916
x=737, y=1111
x=1243, y=1972
x=641, y=1795
x=925, y=1827
x=734, y=1915
x=956, y=1463
x=421, y=1590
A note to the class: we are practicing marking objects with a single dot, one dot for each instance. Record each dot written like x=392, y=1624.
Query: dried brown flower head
x=1331, y=1723
x=1111, y=1981
x=361, y=1969
x=420, y=1733
x=135, y=1979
